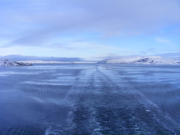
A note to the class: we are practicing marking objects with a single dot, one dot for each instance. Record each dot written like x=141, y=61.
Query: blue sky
x=89, y=28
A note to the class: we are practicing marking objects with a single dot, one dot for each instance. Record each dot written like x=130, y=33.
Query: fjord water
x=89, y=99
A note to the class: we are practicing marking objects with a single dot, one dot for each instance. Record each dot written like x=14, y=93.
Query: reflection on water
x=85, y=99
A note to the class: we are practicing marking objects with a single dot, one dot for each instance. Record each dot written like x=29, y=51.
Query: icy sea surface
x=85, y=99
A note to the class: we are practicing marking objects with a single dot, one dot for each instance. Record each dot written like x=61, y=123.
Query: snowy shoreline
x=6, y=63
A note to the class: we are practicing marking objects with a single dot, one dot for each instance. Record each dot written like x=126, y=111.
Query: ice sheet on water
x=42, y=83
x=8, y=73
x=86, y=98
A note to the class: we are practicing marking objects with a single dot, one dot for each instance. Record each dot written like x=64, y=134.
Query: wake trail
x=100, y=105
x=162, y=119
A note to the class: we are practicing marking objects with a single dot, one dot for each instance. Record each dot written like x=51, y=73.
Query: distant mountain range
x=169, y=58
x=12, y=63
x=140, y=60
x=32, y=58
x=15, y=60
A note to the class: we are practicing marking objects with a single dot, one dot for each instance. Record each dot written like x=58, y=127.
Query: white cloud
x=31, y=27
x=163, y=40
x=70, y=49
x=38, y=21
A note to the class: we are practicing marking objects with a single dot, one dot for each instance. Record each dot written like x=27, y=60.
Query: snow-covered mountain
x=35, y=58
x=49, y=60
x=44, y=60
x=12, y=63
x=16, y=60
x=141, y=60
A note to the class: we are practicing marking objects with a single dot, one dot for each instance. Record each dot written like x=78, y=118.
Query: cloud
x=163, y=40
x=38, y=22
x=70, y=49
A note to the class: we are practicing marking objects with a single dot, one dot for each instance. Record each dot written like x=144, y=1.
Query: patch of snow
x=142, y=60
x=12, y=63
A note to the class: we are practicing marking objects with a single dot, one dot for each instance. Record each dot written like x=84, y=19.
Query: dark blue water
x=85, y=99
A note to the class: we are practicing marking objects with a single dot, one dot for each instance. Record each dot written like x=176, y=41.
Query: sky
x=89, y=28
